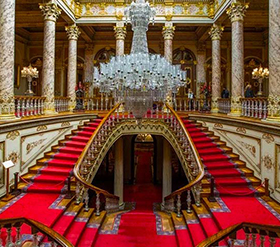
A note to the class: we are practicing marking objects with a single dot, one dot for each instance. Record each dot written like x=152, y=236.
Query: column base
x=235, y=114
x=6, y=117
x=50, y=112
x=272, y=119
x=215, y=110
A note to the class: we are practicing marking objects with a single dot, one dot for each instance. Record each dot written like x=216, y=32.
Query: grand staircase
x=81, y=225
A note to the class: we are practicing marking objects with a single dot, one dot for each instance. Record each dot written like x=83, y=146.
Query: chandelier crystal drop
x=140, y=78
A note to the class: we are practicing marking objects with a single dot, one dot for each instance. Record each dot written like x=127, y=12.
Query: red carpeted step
x=206, y=145
x=198, y=134
x=85, y=133
x=213, y=158
x=56, y=170
x=61, y=163
x=93, y=124
x=197, y=233
x=45, y=178
x=80, y=139
x=209, y=226
x=184, y=238
x=89, y=129
x=219, y=165
x=235, y=191
x=225, y=173
x=201, y=140
x=89, y=237
x=64, y=223
x=66, y=156
x=72, y=150
x=193, y=130
x=74, y=233
x=46, y=188
x=231, y=181
x=77, y=144
x=210, y=151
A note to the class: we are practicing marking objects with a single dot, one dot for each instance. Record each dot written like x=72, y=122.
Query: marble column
x=216, y=35
x=50, y=12
x=274, y=61
x=88, y=67
x=120, y=34
x=7, y=58
x=200, y=67
x=168, y=34
x=73, y=35
x=166, y=170
x=118, y=172
x=236, y=14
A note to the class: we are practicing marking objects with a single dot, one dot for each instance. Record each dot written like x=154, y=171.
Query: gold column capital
x=216, y=32
x=237, y=10
x=50, y=11
x=73, y=32
x=120, y=32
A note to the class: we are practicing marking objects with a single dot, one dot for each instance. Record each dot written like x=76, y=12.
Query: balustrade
x=103, y=103
x=26, y=106
x=254, y=107
x=11, y=234
x=186, y=104
x=91, y=157
x=61, y=104
x=255, y=235
x=224, y=105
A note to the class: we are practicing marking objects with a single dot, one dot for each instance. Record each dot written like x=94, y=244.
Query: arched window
x=104, y=55
x=187, y=59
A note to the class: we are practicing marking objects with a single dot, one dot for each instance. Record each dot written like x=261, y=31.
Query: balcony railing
x=185, y=104
x=254, y=107
x=26, y=106
x=61, y=104
x=99, y=103
x=224, y=105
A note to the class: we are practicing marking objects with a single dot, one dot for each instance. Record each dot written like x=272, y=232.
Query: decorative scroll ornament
x=120, y=33
x=237, y=10
x=168, y=32
x=216, y=32
x=274, y=106
x=73, y=32
x=140, y=78
x=50, y=11
x=12, y=135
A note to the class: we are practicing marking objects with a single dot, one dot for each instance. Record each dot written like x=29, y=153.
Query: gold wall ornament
x=251, y=148
x=78, y=10
x=186, y=8
x=211, y=10
x=12, y=135
x=273, y=106
x=200, y=7
x=14, y=157
x=218, y=126
x=216, y=32
x=88, y=9
x=268, y=138
x=267, y=160
x=237, y=10
x=30, y=146
x=41, y=128
x=65, y=124
x=241, y=130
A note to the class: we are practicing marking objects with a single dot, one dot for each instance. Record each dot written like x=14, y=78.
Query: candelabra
x=29, y=72
x=260, y=74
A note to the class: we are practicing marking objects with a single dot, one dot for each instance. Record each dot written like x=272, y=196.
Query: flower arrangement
x=205, y=89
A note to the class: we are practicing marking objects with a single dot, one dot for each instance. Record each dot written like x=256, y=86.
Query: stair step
x=71, y=150
x=73, y=143
x=83, y=133
x=211, y=151
x=78, y=139
x=62, y=156
x=213, y=158
x=78, y=226
x=65, y=221
x=87, y=128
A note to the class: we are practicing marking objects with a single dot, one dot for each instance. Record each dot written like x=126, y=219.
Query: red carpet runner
x=138, y=227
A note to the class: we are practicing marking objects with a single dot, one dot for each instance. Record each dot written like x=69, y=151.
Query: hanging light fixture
x=140, y=78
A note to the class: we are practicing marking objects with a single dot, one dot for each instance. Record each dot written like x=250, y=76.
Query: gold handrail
x=53, y=235
x=232, y=229
x=196, y=155
x=83, y=154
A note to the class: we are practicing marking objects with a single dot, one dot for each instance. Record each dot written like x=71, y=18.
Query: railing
x=61, y=104
x=186, y=104
x=265, y=235
x=224, y=105
x=164, y=118
x=83, y=168
x=38, y=233
x=99, y=103
x=26, y=106
x=196, y=169
x=254, y=107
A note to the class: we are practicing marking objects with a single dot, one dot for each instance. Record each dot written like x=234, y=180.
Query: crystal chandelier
x=260, y=74
x=140, y=78
x=29, y=72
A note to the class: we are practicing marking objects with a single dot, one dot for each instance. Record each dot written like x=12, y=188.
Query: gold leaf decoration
x=14, y=157
x=241, y=130
x=65, y=124
x=42, y=128
x=267, y=160
x=12, y=135
x=268, y=138
x=30, y=146
x=218, y=126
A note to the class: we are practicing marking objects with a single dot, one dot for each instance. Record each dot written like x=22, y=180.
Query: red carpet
x=144, y=172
